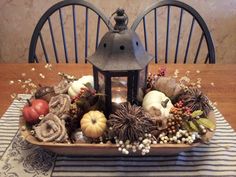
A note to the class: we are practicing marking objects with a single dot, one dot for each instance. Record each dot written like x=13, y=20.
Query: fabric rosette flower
x=60, y=105
x=51, y=129
x=62, y=87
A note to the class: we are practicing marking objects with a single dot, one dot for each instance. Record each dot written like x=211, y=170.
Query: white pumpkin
x=157, y=103
x=87, y=79
x=76, y=86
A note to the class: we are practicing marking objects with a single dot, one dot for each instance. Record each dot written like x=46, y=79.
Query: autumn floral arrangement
x=170, y=111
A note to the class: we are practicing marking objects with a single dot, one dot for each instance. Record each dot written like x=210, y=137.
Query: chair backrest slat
x=43, y=46
x=156, y=36
x=86, y=35
x=167, y=33
x=98, y=31
x=75, y=34
x=145, y=33
x=36, y=59
x=178, y=36
x=207, y=58
x=53, y=40
x=198, y=48
x=63, y=35
x=49, y=15
x=196, y=18
x=189, y=40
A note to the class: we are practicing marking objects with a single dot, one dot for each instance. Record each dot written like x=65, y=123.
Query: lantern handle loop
x=127, y=18
x=119, y=12
x=109, y=20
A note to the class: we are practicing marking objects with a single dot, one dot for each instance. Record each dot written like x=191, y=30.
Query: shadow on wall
x=18, y=19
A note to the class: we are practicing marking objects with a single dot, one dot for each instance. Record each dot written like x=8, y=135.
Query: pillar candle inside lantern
x=119, y=89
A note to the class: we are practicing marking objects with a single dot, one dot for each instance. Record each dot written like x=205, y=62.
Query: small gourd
x=157, y=104
x=93, y=124
x=77, y=85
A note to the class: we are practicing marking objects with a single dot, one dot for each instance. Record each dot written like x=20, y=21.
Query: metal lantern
x=120, y=64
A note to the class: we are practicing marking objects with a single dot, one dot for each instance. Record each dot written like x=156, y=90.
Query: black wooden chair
x=57, y=12
x=182, y=9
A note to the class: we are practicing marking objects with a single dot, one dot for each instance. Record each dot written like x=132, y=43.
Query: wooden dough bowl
x=109, y=149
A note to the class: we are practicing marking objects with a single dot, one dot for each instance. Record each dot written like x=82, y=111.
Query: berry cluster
x=181, y=137
x=181, y=111
x=174, y=123
x=151, y=79
x=161, y=71
x=85, y=93
x=143, y=145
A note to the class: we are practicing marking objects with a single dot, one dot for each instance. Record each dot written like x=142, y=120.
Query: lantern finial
x=121, y=19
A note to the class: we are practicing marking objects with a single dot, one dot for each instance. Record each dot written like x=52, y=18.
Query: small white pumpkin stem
x=164, y=103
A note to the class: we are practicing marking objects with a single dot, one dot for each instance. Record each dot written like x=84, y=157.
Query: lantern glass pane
x=101, y=83
x=141, y=84
x=142, y=78
x=119, y=89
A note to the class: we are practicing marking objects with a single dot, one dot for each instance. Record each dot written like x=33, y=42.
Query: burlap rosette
x=51, y=129
x=60, y=105
x=62, y=87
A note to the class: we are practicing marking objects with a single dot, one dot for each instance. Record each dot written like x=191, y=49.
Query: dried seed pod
x=129, y=122
x=196, y=100
x=45, y=93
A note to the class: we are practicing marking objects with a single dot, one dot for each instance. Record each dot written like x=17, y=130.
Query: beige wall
x=19, y=17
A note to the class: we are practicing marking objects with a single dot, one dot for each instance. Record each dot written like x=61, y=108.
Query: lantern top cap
x=121, y=20
x=120, y=49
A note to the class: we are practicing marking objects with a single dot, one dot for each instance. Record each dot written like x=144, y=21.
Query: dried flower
x=199, y=86
x=28, y=81
x=184, y=80
x=41, y=75
x=176, y=73
x=187, y=73
x=32, y=85
x=11, y=82
x=48, y=66
x=199, y=80
x=67, y=77
x=13, y=96
x=161, y=71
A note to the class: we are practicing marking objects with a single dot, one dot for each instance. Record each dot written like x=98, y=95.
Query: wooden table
x=218, y=81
